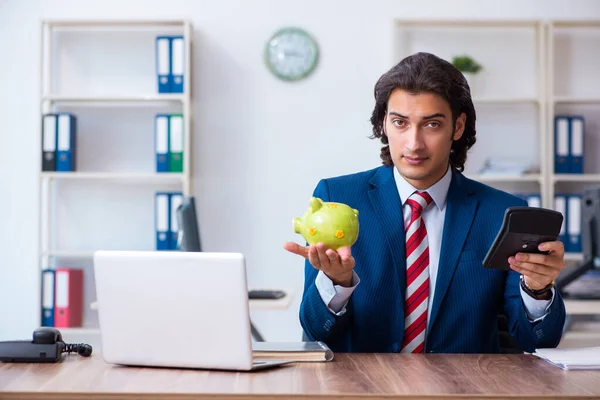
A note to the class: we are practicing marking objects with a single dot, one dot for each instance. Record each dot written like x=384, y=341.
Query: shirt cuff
x=536, y=310
x=335, y=297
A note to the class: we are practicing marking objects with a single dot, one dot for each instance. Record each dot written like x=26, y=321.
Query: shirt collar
x=438, y=191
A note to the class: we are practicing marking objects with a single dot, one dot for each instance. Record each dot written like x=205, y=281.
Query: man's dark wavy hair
x=427, y=73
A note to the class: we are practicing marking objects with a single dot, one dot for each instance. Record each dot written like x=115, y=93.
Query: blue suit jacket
x=468, y=297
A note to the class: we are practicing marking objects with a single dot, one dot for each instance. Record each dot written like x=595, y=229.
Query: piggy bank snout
x=297, y=225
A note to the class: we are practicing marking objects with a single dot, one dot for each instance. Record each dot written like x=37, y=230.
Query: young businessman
x=414, y=281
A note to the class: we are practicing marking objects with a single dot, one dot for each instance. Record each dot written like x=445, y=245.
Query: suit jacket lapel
x=386, y=203
x=461, y=207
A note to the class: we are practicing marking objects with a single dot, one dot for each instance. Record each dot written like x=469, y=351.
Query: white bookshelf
x=68, y=253
x=576, y=178
x=573, y=59
x=556, y=72
x=150, y=98
x=103, y=71
x=141, y=178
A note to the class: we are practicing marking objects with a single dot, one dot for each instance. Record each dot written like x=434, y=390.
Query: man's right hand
x=337, y=265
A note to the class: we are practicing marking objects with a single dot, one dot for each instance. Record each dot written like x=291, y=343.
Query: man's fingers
x=323, y=258
x=334, y=259
x=296, y=249
x=538, y=273
x=556, y=246
x=541, y=269
x=348, y=262
x=313, y=257
x=345, y=252
x=549, y=260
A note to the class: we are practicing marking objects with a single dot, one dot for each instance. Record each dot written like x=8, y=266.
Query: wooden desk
x=367, y=376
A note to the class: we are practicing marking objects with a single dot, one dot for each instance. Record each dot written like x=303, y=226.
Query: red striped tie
x=417, y=276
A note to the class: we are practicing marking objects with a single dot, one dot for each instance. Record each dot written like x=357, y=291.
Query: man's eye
x=434, y=124
x=398, y=122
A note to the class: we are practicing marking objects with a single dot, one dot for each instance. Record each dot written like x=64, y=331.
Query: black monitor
x=590, y=226
x=189, y=235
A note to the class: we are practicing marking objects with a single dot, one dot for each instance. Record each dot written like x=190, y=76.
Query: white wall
x=260, y=145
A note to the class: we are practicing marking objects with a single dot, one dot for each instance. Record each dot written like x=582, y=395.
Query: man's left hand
x=539, y=270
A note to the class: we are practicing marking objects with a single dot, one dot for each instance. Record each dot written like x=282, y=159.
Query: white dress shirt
x=336, y=297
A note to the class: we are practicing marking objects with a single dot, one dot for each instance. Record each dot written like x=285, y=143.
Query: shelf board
x=577, y=100
x=80, y=331
x=573, y=256
x=505, y=100
x=576, y=178
x=78, y=253
x=150, y=98
x=506, y=178
x=68, y=253
x=124, y=23
x=465, y=23
x=116, y=176
x=576, y=24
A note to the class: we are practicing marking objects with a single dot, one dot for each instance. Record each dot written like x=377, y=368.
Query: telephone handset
x=47, y=346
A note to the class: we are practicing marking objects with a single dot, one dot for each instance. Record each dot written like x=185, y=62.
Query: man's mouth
x=414, y=160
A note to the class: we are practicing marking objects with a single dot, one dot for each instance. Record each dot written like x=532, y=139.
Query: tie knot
x=419, y=201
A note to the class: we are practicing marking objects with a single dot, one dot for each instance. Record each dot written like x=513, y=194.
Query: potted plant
x=468, y=66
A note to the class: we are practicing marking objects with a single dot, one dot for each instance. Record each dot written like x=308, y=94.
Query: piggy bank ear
x=315, y=204
x=355, y=211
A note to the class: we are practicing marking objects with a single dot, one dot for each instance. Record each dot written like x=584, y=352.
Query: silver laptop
x=175, y=309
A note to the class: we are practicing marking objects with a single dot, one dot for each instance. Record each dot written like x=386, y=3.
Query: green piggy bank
x=334, y=224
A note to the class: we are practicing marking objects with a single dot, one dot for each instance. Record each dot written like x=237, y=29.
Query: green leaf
x=467, y=64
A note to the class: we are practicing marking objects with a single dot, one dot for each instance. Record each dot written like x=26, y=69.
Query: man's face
x=420, y=134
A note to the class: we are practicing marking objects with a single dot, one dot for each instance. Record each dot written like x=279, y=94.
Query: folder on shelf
x=68, y=311
x=161, y=142
x=176, y=200
x=176, y=143
x=560, y=205
x=162, y=221
x=163, y=63
x=561, y=144
x=574, y=223
x=48, y=297
x=177, y=63
x=534, y=200
x=49, y=142
x=577, y=143
x=67, y=147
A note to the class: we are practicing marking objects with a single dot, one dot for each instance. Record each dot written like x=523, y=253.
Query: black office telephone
x=47, y=346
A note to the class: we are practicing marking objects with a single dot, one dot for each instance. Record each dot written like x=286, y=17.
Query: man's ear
x=459, y=127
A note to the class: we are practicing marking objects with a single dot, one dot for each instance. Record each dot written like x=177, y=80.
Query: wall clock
x=291, y=54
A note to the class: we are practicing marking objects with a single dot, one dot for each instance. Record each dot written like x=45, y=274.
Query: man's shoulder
x=354, y=179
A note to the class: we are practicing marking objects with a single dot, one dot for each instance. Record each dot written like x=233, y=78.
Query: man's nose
x=415, y=140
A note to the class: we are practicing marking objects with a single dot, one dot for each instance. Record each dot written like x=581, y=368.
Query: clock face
x=292, y=54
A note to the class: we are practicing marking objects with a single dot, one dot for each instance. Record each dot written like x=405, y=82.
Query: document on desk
x=294, y=351
x=577, y=358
